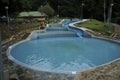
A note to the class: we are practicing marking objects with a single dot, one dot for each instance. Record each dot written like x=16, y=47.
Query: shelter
x=35, y=15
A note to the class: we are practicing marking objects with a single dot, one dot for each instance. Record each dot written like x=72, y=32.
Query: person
x=42, y=25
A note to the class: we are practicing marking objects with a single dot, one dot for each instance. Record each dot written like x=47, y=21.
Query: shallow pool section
x=64, y=55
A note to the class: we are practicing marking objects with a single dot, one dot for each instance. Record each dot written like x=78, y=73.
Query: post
x=110, y=13
x=1, y=63
x=82, y=10
x=41, y=9
x=58, y=11
x=6, y=7
x=104, y=11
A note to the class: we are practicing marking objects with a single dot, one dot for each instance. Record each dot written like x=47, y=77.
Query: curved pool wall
x=95, y=73
x=66, y=22
x=78, y=30
x=69, y=24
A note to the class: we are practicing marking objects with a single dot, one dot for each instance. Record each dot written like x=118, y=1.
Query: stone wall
x=39, y=75
x=117, y=29
x=110, y=71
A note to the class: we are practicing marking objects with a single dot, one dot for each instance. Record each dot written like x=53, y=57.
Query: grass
x=16, y=28
x=96, y=25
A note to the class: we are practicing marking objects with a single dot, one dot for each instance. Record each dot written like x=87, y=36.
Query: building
x=34, y=15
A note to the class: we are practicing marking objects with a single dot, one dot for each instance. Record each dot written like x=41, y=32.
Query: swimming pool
x=61, y=53
x=67, y=55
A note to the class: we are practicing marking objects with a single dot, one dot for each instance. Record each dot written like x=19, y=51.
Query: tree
x=97, y=9
x=104, y=11
x=36, y=3
x=47, y=9
x=14, y=6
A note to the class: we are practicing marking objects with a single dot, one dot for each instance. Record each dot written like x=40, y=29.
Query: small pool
x=63, y=54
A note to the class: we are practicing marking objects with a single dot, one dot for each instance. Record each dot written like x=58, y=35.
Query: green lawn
x=97, y=26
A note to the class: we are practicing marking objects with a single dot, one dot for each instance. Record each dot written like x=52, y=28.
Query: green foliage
x=68, y=8
x=14, y=6
x=36, y=3
x=54, y=20
x=47, y=9
x=25, y=4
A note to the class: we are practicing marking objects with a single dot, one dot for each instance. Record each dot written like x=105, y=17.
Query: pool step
x=56, y=35
x=52, y=29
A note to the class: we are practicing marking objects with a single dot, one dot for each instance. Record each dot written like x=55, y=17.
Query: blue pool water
x=68, y=54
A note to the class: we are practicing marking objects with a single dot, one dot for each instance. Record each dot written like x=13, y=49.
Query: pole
x=7, y=19
x=58, y=11
x=104, y=11
x=1, y=63
x=110, y=13
x=82, y=10
x=41, y=7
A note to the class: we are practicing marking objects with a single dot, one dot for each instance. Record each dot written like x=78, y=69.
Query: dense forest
x=97, y=9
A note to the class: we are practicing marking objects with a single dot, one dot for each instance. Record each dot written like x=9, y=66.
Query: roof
x=32, y=14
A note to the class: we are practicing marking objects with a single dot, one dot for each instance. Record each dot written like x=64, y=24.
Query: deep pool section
x=68, y=54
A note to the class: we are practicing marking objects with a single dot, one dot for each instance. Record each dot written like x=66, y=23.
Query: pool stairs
x=62, y=29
